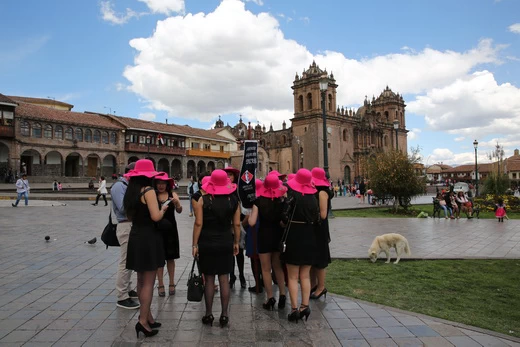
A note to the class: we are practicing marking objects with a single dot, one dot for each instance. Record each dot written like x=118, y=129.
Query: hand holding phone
x=166, y=203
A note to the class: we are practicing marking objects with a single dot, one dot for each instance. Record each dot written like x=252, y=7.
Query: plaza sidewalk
x=61, y=292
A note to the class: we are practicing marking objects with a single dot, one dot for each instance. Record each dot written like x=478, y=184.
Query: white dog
x=384, y=243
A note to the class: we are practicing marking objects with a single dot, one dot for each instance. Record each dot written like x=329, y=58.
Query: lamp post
x=148, y=140
x=396, y=127
x=475, y=145
x=324, y=85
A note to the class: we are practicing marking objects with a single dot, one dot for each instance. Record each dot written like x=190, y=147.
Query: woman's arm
x=324, y=199
x=176, y=202
x=253, y=216
x=150, y=197
x=236, y=229
x=197, y=226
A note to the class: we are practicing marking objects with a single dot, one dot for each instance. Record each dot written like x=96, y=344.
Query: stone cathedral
x=352, y=136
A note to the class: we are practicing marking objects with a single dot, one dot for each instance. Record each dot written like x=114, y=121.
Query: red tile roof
x=44, y=113
x=41, y=101
x=5, y=100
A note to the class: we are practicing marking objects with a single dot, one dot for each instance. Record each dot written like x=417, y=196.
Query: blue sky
x=457, y=63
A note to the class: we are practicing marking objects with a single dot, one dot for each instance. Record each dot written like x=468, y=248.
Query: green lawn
x=482, y=293
x=386, y=212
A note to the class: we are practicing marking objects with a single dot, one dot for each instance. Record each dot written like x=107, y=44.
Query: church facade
x=352, y=136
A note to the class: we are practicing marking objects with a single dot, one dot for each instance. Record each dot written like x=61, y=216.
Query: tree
x=392, y=173
x=497, y=182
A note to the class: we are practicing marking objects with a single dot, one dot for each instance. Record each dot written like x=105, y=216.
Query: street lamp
x=475, y=145
x=396, y=127
x=324, y=85
x=148, y=140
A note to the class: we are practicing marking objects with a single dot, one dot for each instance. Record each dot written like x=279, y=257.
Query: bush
x=488, y=202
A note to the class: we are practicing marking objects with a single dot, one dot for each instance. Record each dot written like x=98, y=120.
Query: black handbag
x=109, y=235
x=195, y=285
x=283, y=242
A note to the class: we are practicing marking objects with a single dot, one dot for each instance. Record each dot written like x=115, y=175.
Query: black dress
x=269, y=230
x=301, y=236
x=168, y=228
x=216, y=236
x=322, y=258
x=145, y=244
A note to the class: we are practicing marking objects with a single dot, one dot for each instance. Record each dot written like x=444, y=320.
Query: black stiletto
x=153, y=325
x=269, y=305
x=243, y=283
x=208, y=319
x=313, y=289
x=294, y=315
x=232, y=280
x=281, y=301
x=139, y=328
x=224, y=320
x=323, y=293
x=305, y=312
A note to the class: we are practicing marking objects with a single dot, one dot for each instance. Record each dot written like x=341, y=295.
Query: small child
x=59, y=186
x=500, y=210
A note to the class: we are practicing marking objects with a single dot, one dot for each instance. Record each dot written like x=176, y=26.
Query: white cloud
x=460, y=139
x=147, y=116
x=413, y=134
x=165, y=6
x=515, y=28
x=258, y=2
x=111, y=16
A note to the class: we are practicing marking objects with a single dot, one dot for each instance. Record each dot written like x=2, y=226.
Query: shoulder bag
x=109, y=235
x=195, y=285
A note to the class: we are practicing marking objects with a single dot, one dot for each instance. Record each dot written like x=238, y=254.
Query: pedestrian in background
x=193, y=187
x=22, y=190
x=101, y=191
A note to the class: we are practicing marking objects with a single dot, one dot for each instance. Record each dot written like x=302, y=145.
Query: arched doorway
x=176, y=169
x=211, y=166
x=73, y=165
x=109, y=166
x=53, y=164
x=4, y=163
x=191, y=169
x=132, y=160
x=201, y=167
x=220, y=165
x=93, y=165
x=30, y=163
x=164, y=165
x=346, y=174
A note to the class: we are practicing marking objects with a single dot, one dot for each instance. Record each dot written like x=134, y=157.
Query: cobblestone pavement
x=61, y=292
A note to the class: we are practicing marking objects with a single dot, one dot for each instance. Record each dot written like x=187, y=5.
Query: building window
x=345, y=135
x=195, y=145
x=58, y=132
x=305, y=129
x=69, y=134
x=37, y=130
x=514, y=174
x=88, y=135
x=79, y=135
x=97, y=136
x=105, y=137
x=47, y=132
x=25, y=129
x=328, y=145
x=330, y=103
x=221, y=149
x=113, y=138
x=300, y=103
x=309, y=101
x=7, y=118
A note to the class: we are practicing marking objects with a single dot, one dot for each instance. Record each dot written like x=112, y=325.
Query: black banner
x=246, y=181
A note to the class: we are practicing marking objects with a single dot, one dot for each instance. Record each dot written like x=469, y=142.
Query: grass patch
x=482, y=293
x=387, y=212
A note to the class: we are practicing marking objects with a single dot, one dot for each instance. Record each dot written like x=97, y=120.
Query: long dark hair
x=133, y=194
x=169, y=187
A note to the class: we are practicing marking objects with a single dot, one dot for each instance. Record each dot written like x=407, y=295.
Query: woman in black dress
x=302, y=212
x=322, y=258
x=168, y=227
x=216, y=234
x=268, y=210
x=145, y=248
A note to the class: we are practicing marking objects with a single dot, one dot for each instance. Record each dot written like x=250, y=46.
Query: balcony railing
x=6, y=131
x=208, y=153
x=154, y=149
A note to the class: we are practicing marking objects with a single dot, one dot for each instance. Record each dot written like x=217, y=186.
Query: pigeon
x=91, y=242
x=47, y=238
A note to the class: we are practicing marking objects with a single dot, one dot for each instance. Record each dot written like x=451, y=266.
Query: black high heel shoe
x=305, y=312
x=224, y=320
x=153, y=325
x=208, y=319
x=323, y=293
x=140, y=329
x=269, y=305
x=243, y=283
x=313, y=289
x=232, y=280
x=281, y=301
x=294, y=315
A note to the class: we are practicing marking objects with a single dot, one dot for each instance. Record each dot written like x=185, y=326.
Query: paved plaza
x=61, y=292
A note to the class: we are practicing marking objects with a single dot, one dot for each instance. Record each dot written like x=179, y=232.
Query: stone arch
x=4, y=162
x=132, y=159
x=284, y=139
x=345, y=135
x=73, y=165
x=211, y=166
x=31, y=163
x=93, y=165
x=53, y=164
x=300, y=103
x=309, y=101
x=109, y=165
x=220, y=165
x=201, y=167
x=330, y=102
x=163, y=165
x=346, y=174
x=191, y=169
x=177, y=168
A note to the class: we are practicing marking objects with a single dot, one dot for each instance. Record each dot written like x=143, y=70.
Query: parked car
x=461, y=187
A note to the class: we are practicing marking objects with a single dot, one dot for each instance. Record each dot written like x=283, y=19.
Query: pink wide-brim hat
x=302, y=182
x=205, y=179
x=219, y=184
x=258, y=186
x=290, y=176
x=163, y=176
x=143, y=167
x=279, y=175
x=272, y=187
x=319, y=177
x=235, y=172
